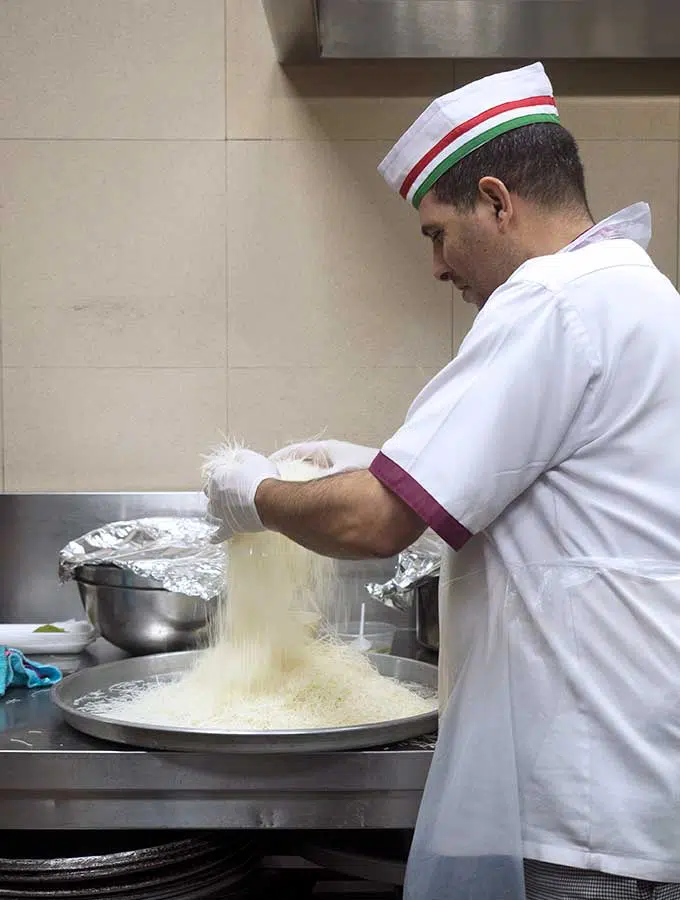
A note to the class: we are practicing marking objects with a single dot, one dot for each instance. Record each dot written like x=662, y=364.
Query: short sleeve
x=497, y=417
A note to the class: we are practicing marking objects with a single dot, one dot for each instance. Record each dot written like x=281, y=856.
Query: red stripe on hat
x=463, y=128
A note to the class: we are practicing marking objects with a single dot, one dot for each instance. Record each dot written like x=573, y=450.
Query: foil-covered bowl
x=415, y=585
x=416, y=565
x=148, y=585
x=162, y=552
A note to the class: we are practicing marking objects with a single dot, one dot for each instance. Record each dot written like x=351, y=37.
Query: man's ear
x=496, y=198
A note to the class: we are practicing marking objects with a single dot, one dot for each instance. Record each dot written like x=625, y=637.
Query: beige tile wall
x=194, y=242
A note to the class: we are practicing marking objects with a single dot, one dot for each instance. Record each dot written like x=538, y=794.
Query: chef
x=546, y=455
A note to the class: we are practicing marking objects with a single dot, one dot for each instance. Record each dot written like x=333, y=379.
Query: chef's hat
x=456, y=124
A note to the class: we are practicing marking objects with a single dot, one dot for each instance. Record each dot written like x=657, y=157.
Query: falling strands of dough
x=269, y=667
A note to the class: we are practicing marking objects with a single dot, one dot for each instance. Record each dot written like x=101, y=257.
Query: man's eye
x=437, y=237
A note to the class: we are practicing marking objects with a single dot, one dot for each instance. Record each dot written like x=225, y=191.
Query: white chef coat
x=549, y=449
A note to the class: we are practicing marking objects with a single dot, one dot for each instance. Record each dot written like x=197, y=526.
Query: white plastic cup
x=378, y=635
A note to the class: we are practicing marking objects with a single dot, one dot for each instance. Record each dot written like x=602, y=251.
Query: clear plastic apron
x=541, y=644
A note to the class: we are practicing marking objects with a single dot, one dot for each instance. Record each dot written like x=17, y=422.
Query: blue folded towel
x=17, y=671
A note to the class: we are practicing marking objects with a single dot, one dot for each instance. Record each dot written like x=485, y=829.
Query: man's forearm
x=350, y=516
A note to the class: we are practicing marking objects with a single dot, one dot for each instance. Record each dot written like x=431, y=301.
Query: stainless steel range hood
x=310, y=30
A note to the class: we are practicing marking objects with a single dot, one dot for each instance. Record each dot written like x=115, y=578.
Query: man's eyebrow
x=428, y=230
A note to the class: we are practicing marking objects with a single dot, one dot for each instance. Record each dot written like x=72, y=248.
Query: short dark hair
x=539, y=162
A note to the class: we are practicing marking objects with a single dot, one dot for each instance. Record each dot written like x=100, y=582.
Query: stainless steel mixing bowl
x=141, y=620
x=426, y=601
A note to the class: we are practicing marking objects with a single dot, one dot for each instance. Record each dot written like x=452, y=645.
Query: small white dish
x=75, y=637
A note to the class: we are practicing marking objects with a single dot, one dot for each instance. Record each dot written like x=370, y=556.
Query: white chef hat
x=455, y=125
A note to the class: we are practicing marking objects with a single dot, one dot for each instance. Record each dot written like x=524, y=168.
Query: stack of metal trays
x=123, y=867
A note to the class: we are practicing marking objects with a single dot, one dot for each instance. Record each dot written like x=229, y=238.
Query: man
x=547, y=456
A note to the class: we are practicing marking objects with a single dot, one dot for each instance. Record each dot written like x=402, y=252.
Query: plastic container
x=378, y=635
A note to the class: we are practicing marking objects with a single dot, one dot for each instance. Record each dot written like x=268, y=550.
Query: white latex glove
x=233, y=477
x=335, y=456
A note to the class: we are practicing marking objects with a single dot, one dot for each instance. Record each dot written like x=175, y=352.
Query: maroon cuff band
x=422, y=503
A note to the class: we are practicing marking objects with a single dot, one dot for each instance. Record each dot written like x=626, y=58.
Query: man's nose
x=439, y=268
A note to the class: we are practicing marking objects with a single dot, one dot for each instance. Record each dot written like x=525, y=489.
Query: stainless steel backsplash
x=35, y=527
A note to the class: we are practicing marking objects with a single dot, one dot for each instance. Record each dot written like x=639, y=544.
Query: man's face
x=469, y=248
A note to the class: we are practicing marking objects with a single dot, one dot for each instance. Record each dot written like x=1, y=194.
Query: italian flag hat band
x=450, y=160
x=466, y=138
x=457, y=124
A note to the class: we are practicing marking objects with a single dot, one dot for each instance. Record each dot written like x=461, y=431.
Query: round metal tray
x=72, y=694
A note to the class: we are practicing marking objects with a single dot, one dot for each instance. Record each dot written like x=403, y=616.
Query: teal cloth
x=17, y=671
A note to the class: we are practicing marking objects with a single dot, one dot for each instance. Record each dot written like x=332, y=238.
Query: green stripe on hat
x=474, y=144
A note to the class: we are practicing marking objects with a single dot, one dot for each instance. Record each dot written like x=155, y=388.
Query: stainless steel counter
x=53, y=777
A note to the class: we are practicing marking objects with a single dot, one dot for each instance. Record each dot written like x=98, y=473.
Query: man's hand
x=335, y=456
x=233, y=477
x=347, y=515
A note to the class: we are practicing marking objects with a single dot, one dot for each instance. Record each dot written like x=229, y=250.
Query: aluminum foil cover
x=175, y=552
x=419, y=561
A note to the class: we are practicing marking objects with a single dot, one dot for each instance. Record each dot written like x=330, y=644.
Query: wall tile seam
x=227, y=282
x=126, y=368
x=328, y=368
x=113, y=139
x=3, y=424
x=331, y=139
x=372, y=140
